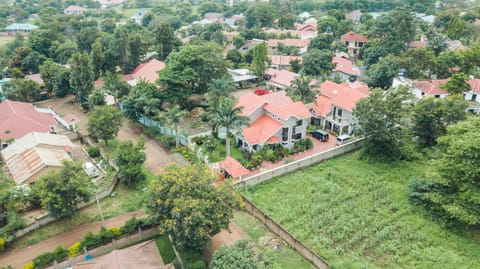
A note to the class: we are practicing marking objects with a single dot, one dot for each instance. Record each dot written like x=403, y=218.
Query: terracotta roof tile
x=282, y=77
x=233, y=167
x=475, y=84
x=37, y=78
x=345, y=66
x=261, y=130
x=351, y=36
x=341, y=95
x=148, y=71
x=283, y=59
x=431, y=87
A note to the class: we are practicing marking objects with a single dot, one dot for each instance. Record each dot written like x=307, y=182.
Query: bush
x=133, y=224
x=44, y=259
x=199, y=140
x=166, y=140
x=257, y=160
x=93, y=151
x=29, y=265
x=2, y=244
x=151, y=131
x=60, y=253
x=204, y=117
x=74, y=249
x=115, y=232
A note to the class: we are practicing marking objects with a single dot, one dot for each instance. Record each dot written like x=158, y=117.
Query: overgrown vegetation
x=356, y=213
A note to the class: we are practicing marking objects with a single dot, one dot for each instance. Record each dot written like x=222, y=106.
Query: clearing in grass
x=356, y=214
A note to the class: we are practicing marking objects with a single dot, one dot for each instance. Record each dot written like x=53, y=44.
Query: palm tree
x=172, y=118
x=302, y=90
x=217, y=88
x=228, y=116
x=111, y=84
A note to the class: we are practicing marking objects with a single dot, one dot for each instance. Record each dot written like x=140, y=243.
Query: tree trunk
x=227, y=143
x=177, y=137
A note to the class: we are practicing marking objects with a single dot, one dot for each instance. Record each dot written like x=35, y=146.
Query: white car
x=90, y=169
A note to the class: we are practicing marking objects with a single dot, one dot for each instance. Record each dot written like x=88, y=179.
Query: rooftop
x=352, y=36
x=21, y=26
x=343, y=95
x=288, y=42
x=233, y=167
x=148, y=71
x=345, y=66
x=282, y=77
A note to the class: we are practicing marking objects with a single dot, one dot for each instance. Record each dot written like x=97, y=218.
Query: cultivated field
x=356, y=214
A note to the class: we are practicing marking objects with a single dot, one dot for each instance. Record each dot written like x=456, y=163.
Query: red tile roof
x=351, y=36
x=417, y=44
x=148, y=71
x=283, y=59
x=282, y=77
x=249, y=103
x=305, y=26
x=233, y=167
x=21, y=118
x=345, y=66
x=323, y=105
x=261, y=130
x=475, y=84
x=431, y=87
x=341, y=95
x=289, y=42
x=75, y=8
x=37, y=78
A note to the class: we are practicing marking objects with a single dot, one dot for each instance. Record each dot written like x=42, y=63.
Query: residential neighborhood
x=239, y=134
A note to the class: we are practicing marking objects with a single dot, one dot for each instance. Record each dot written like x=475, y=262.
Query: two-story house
x=429, y=88
x=354, y=42
x=279, y=79
x=333, y=109
x=274, y=120
x=74, y=10
x=345, y=69
x=283, y=62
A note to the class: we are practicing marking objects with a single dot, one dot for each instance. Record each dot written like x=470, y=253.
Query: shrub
x=257, y=160
x=130, y=226
x=90, y=240
x=151, y=131
x=93, y=151
x=60, y=253
x=198, y=140
x=204, y=117
x=74, y=249
x=115, y=231
x=308, y=143
x=44, y=259
x=2, y=244
x=29, y=265
x=166, y=140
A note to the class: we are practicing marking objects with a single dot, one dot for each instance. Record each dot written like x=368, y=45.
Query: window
x=339, y=112
x=298, y=136
x=285, y=134
x=299, y=122
x=293, y=132
x=474, y=97
x=437, y=95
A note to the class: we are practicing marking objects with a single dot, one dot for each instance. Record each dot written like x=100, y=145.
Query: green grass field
x=356, y=214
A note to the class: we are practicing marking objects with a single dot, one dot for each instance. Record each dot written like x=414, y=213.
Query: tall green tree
x=457, y=84
x=187, y=206
x=104, y=122
x=318, y=63
x=454, y=194
x=260, y=15
x=221, y=87
x=431, y=116
x=60, y=191
x=97, y=98
x=302, y=90
x=81, y=80
x=416, y=61
x=48, y=72
x=165, y=40
x=381, y=116
x=24, y=90
x=113, y=84
x=172, y=117
x=383, y=72
x=98, y=59
x=129, y=159
x=228, y=116
x=144, y=99
x=260, y=59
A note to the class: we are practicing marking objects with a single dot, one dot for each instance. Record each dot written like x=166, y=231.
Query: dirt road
x=20, y=257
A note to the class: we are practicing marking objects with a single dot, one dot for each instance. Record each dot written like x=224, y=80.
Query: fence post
x=140, y=233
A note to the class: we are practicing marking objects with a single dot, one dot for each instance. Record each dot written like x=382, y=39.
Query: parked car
x=90, y=169
x=343, y=139
x=320, y=135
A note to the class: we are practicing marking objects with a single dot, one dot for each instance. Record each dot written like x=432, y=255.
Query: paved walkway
x=20, y=257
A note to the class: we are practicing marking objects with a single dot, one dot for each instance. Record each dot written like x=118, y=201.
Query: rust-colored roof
x=75, y=8
x=431, y=87
x=341, y=95
x=475, y=84
x=261, y=130
x=323, y=105
x=282, y=77
x=18, y=119
x=283, y=59
x=233, y=167
x=249, y=103
x=37, y=78
x=148, y=71
x=351, y=36
x=345, y=66
x=144, y=256
x=417, y=44
x=289, y=42
x=278, y=103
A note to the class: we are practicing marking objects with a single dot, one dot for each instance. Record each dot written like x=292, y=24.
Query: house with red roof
x=333, y=109
x=433, y=88
x=233, y=168
x=146, y=71
x=288, y=42
x=345, y=69
x=283, y=62
x=18, y=119
x=354, y=16
x=354, y=42
x=274, y=120
x=279, y=79
x=74, y=10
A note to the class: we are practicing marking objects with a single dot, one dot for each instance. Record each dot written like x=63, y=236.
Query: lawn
x=286, y=257
x=356, y=214
x=218, y=153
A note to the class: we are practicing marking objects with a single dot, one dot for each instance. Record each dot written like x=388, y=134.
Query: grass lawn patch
x=218, y=154
x=285, y=257
x=356, y=214
x=165, y=248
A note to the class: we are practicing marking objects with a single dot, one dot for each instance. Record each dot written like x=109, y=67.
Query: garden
x=356, y=214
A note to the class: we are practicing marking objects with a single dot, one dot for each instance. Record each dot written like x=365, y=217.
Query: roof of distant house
x=233, y=167
x=352, y=36
x=283, y=59
x=144, y=255
x=148, y=71
x=37, y=78
x=109, y=2
x=354, y=15
x=345, y=66
x=342, y=95
x=417, y=44
x=21, y=26
x=19, y=119
x=282, y=77
x=431, y=87
x=288, y=42
x=305, y=26
x=36, y=139
x=475, y=84
x=75, y=8
x=455, y=45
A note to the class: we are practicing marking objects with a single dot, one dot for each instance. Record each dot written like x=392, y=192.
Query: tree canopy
x=187, y=206
x=240, y=255
x=105, y=122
